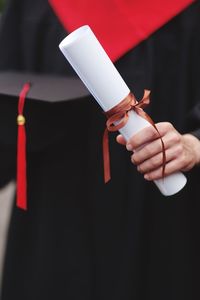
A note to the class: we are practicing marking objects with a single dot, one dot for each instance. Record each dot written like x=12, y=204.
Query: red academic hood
x=118, y=24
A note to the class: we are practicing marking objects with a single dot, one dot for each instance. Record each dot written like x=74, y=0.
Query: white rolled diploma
x=90, y=61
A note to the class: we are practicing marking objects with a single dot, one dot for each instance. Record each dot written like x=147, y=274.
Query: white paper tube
x=88, y=58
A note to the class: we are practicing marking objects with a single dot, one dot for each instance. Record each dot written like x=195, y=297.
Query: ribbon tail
x=144, y=115
x=21, y=169
x=164, y=158
x=106, y=156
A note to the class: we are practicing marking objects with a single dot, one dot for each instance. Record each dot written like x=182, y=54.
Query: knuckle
x=177, y=137
x=164, y=127
x=131, y=141
x=178, y=151
x=168, y=126
x=134, y=161
x=151, y=132
x=147, y=151
x=154, y=162
x=182, y=161
x=154, y=134
x=174, y=138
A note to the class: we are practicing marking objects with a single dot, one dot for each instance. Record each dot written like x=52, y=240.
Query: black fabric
x=196, y=133
x=193, y=120
x=81, y=239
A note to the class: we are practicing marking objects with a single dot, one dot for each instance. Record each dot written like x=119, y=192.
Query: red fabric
x=21, y=152
x=118, y=24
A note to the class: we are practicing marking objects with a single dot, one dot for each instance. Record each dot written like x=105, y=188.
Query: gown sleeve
x=194, y=118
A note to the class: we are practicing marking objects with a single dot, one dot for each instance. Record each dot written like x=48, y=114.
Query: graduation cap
x=119, y=25
x=44, y=87
x=35, y=88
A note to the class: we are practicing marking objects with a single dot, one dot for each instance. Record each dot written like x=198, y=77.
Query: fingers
x=150, y=150
x=177, y=159
x=121, y=140
x=149, y=134
x=171, y=167
x=156, y=161
x=147, y=151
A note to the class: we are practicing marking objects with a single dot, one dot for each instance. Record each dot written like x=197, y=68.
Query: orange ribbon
x=118, y=117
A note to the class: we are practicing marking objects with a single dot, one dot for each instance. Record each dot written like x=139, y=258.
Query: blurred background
x=1, y=4
x=6, y=197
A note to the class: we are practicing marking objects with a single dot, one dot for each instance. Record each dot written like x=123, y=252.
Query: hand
x=182, y=151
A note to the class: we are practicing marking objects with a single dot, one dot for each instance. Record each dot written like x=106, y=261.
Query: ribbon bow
x=118, y=117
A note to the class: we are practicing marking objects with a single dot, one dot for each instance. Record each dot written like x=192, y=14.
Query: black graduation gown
x=82, y=239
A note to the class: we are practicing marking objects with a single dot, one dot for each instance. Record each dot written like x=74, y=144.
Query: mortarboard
x=37, y=89
x=118, y=24
x=44, y=87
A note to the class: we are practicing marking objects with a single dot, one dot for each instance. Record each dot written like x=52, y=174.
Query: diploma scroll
x=88, y=58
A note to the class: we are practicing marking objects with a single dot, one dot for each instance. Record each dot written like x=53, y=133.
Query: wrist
x=194, y=144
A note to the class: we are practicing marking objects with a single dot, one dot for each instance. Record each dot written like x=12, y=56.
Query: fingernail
x=129, y=147
x=146, y=176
